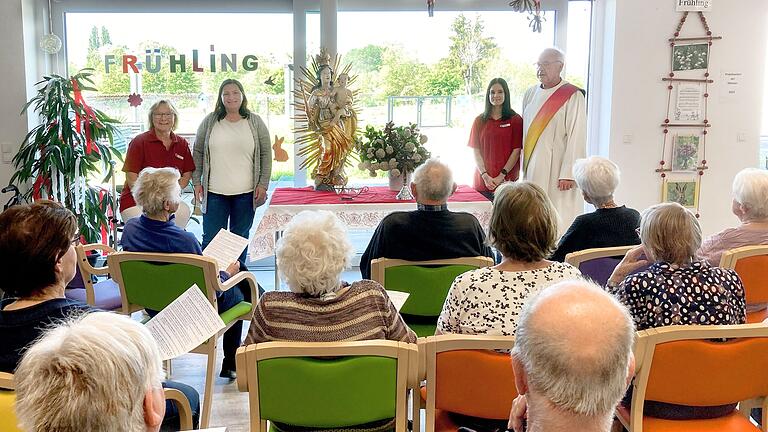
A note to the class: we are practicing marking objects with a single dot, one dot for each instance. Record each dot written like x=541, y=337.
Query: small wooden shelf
x=690, y=125
x=706, y=38
x=698, y=80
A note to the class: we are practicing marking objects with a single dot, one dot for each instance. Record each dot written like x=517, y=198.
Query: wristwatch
x=504, y=171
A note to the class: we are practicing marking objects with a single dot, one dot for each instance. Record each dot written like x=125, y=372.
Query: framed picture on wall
x=685, y=152
x=683, y=191
x=690, y=57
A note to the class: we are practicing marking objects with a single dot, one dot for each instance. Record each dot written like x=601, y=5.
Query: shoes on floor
x=227, y=372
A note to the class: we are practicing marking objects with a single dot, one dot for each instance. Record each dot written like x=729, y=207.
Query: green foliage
x=106, y=39
x=402, y=75
x=394, y=148
x=56, y=144
x=366, y=59
x=164, y=81
x=471, y=50
x=94, y=41
x=444, y=79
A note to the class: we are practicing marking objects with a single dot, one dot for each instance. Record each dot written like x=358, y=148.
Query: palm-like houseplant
x=72, y=143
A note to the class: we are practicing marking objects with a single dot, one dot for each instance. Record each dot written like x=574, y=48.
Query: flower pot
x=397, y=182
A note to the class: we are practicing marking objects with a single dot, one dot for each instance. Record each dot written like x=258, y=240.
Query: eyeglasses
x=76, y=239
x=162, y=115
x=545, y=64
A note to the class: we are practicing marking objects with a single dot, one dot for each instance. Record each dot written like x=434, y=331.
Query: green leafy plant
x=394, y=148
x=72, y=144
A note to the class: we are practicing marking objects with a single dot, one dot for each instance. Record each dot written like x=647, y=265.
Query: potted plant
x=396, y=149
x=72, y=144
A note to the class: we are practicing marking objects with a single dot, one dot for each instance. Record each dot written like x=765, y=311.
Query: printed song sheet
x=185, y=323
x=225, y=248
x=398, y=298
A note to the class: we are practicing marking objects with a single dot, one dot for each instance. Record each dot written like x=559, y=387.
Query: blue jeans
x=233, y=212
x=171, y=419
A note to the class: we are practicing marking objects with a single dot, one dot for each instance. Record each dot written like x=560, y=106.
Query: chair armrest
x=101, y=271
x=182, y=404
x=240, y=276
x=242, y=369
x=6, y=381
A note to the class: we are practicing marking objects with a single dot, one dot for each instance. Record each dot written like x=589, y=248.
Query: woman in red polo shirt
x=158, y=147
x=496, y=138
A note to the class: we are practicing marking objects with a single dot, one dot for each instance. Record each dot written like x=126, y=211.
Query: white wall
x=638, y=56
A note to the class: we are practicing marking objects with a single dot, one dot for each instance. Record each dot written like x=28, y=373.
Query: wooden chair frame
x=429, y=348
x=645, y=346
x=576, y=258
x=380, y=265
x=6, y=381
x=729, y=258
x=248, y=357
x=213, y=284
x=87, y=270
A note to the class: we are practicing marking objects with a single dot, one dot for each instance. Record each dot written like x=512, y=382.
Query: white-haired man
x=98, y=373
x=431, y=231
x=554, y=135
x=572, y=359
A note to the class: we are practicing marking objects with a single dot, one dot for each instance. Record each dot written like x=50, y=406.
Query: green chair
x=427, y=282
x=327, y=384
x=154, y=280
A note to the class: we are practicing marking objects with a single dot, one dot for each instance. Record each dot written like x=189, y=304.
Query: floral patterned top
x=488, y=301
x=666, y=294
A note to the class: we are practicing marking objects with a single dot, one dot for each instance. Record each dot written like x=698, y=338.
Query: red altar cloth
x=374, y=195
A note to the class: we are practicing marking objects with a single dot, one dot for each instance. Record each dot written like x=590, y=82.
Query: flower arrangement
x=397, y=149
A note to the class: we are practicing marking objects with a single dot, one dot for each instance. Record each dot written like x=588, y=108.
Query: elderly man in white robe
x=554, y=136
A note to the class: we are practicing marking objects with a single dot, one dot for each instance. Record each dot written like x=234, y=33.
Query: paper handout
x=225, y=248
x=398, y=298
x=185, y=323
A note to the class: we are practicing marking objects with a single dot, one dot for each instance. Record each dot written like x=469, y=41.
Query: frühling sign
x=693, y=5
x=154, y=61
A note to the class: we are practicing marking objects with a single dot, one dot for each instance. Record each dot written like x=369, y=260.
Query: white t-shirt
x=231, y=147
x=488, y=301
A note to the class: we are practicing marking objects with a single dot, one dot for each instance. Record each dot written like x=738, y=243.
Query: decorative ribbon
x=547, y=111
x=84, y=121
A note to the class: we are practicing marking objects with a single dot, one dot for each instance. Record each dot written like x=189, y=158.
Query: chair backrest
x=427, y=282
x=751, y=263
x=597, y=263
x=8, y=421
x=326, y=384
x=465, y=376
x=700, y=365
x=153, y=280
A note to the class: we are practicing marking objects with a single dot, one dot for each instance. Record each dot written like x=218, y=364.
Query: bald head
x=433, y=182
x=575, y=343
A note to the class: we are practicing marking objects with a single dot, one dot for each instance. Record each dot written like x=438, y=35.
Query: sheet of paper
x=218, y=429
x=688, y=102
x=225, y=248
x=185, y=323
x=398, y=298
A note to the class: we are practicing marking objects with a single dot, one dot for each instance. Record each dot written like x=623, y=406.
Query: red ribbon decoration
x=84, y=121
x=103, y=228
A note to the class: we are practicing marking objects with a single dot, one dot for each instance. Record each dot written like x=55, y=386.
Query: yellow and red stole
x=548, y=110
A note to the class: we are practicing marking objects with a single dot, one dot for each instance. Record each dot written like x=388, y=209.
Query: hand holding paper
x=225, y=248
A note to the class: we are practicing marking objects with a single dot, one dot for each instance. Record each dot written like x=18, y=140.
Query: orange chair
x=464, y=376
x=751, y=263
x=699, y=366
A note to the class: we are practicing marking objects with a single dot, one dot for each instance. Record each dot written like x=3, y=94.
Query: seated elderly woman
x=750, y=205
x=676, y=289
x=311, y=256
x=610, y=224
x=37, y=260
x=488, y=300
x=157, y=191
x=98, y=373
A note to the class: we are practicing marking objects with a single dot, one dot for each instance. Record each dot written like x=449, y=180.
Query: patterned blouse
x=488, y=301
x=666, y=294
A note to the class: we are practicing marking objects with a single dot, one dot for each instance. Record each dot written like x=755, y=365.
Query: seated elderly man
x=610, y=224
x=572, y=359
x=431, y=231
x=750, y=205
x=98, y=373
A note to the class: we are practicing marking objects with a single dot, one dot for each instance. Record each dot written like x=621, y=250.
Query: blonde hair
x=670, y=232
x=156, y=186
x=88, y=374
x=313, y=252
x=750, y=189
x=155, y=106
x=523, y=223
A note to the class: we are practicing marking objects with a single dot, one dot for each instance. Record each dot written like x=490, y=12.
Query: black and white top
x=666, y=294
x=488, y=301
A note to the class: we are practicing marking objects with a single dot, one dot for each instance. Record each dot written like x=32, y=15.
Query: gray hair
x=587, y=382
x=598, y=178
x=155, y=106
x=750, y=189
x=556, y=52
x=156, y=186
x=670, y=232
x=88, y=374
x=433, y=180
x=313, y=252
